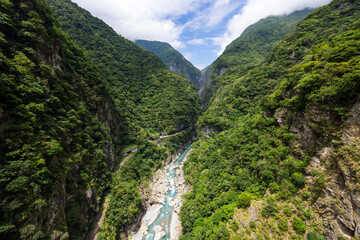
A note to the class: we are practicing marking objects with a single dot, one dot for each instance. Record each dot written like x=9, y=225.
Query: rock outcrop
x=337, y=158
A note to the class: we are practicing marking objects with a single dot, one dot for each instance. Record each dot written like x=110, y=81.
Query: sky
x=199, y=29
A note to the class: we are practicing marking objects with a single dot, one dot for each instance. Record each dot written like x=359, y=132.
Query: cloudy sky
x=199, y=29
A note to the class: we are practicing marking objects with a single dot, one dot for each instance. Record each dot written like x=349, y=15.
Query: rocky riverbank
x=155, y=199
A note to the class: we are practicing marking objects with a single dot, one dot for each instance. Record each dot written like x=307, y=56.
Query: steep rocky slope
x=66, y=114
x=60, y=129
x=283, y=159
x=173, y=60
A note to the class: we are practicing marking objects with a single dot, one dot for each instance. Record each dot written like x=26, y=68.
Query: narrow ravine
x=161, y=220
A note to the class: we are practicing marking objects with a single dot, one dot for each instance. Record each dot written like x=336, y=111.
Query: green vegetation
x=54, y=142
x=298, y=225
x=313, y=72
x=125, y=200
x=249, y=51
x=66, y=115
x=151, y=96
x=172, y=59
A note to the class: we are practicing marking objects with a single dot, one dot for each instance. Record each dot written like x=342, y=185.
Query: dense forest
x=249, y=50
x=275, y=153
x=135, y=76
x=283, y=155
x=172, y=59
x=70, y=103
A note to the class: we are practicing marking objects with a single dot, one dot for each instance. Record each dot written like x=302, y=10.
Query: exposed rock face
x=337, y=156
x=208, y=89
x=205, y=74
x=182, y=68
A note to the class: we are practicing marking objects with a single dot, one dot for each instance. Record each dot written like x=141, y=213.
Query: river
x=161, y=220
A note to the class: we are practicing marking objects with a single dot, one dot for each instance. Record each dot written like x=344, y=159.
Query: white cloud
x=157, y=20
x=254, y=10
x=197, y=41
x=214, y=14
x=200, y=66
x=188, y=55
x=143, y=19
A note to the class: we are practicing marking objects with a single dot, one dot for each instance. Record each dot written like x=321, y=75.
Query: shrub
x=307, y=214
x=234, y=225
x=244, y=199
x=306, y=195
x=252, y=225
x=298, y=225
x=270, y=207
x=298, y=179
x=283, y=224
x=315, y=236
x=287, y=211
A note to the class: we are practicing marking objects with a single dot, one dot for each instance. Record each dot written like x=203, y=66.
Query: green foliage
x=172, y=58
x=283, y=224
x=270, y=208
x=147, y=92
x=244, y=199
x=234, y=225
x=315, y=236
x=247, y=52
x=298, y=225
x=53, y=140
x=125, y=200
x=287, y=211
x=315, y=67
x=298, y=179
x=252, y=225
x=63, y=121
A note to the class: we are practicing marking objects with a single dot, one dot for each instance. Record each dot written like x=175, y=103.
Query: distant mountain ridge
x=174, y=60
x=252, y=47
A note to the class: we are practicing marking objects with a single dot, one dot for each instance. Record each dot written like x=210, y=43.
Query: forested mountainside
x=173, y=60
x=152, y=96
x=60, y=130
x=279, y=155
x=65, y=115
x=278, y=147
x=249, y=50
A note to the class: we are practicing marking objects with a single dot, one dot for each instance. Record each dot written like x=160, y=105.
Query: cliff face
x=59, y=129
x=336, y=155
x=285, y=156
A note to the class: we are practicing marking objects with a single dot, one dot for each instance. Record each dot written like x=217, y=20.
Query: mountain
x=278, y=155
x=277, y=151
x=70, y=105
x=251, y=48
x=60, y=129
x=173, y=60
x=151, y=96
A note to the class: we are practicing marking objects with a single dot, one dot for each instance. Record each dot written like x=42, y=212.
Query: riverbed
x=163, y=200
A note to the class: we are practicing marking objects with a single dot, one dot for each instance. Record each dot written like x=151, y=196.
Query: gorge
x=100, y=140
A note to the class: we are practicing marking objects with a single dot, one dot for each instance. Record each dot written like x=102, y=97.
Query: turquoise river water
x=164, y=217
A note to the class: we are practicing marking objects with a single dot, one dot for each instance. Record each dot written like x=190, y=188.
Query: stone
x=357, y=232
x=172, y=203
x=177, y=210
x=356, y=198
x=330, y=235
x=157, y=228
x=347, y=222
x=163, y=234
